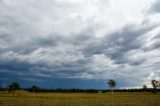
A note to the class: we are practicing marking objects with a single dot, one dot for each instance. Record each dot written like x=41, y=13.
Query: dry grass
x=22, y=98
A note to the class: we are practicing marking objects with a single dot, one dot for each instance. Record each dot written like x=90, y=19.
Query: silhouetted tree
x=34, y=88
x=154, y=86
x=112, y=83
x=144, y=88
x=13, y=87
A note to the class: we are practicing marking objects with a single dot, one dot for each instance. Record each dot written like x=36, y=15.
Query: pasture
x=23, y=98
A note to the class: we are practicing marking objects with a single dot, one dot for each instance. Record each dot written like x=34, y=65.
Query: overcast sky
x=79, y=43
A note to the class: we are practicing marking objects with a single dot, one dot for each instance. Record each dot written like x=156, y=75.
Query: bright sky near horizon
x=80, y=43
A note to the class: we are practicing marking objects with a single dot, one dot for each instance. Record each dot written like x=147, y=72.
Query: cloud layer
x=82, y=39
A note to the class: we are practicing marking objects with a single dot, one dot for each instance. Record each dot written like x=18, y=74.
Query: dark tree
x=154, y=86
x=34, y=88
x=13, y=87
x=112, y=83
x=144, y=88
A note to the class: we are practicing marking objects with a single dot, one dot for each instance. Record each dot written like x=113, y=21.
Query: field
x=23, y=98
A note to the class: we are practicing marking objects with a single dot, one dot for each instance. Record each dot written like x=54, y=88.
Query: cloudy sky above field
x=79, y=43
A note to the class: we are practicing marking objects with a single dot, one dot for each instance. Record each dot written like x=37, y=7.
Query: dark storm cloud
x=60, y=41
x=14, y=66
x=114, y=46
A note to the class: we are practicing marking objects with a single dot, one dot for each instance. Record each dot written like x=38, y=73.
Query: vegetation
x=154, y=86
x=144, y=88
x=36, y=96
x=13, y=87
x=34, y=88
x=23, y=98
x=112, y=83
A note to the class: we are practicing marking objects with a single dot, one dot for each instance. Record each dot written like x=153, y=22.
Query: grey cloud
x=155, y=7
x=114, y=46
x=117, y=44
x=127, y=40
x=41, y=43
x=156, y=44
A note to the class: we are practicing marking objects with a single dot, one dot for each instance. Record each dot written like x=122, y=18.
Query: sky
x=79, y=43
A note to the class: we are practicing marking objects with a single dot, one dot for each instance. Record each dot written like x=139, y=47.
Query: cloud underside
x=77, y=39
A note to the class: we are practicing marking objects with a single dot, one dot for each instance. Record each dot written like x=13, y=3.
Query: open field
x=79, y=99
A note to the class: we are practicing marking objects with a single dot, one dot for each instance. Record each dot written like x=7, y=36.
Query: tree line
x=111, y=83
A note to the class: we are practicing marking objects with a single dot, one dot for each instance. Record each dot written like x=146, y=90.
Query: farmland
x=24, y=98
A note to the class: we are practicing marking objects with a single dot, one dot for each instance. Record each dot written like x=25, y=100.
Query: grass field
x=22, y=98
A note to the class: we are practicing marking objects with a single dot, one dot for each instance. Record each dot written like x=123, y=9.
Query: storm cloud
x=89, y=40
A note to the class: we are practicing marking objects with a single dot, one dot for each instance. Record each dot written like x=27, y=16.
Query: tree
x=112, y=83
x=153, y=84
x=144, y=88
x=13, y=87
x=34, y=88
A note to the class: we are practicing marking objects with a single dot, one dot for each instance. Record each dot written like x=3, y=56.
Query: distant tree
x=34, y=88
x=112, y=83
x=13, y=87
x=153, y=84
x=144, y=88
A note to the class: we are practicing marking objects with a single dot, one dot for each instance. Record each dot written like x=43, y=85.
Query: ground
x=22, y=98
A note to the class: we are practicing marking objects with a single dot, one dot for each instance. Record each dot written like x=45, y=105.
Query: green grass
x=22, y=98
